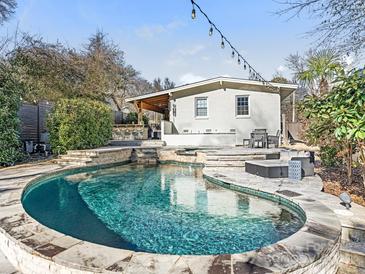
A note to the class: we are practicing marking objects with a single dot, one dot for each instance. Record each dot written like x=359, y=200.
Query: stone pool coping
x=34, y=248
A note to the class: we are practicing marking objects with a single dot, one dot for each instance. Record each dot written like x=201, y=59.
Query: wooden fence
x=33, y=120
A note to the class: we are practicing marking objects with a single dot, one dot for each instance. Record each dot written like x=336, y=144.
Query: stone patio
x=34, y=248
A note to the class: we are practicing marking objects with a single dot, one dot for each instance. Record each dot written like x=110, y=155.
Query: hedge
x=10, y=99
x=79, y=124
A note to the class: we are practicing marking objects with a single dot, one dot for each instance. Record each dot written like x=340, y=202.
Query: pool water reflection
x=166, y=209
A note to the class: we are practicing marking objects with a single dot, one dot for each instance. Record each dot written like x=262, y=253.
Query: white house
x=218, y=111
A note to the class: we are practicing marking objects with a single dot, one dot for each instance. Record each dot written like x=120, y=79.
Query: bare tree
x=7, y=9
x=159, y=85
x=342, y=22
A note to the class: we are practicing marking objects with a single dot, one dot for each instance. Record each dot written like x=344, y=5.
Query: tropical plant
x=79, y=124
x=317, y=69
x=338, y=118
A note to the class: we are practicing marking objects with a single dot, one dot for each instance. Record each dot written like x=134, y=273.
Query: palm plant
x=317, y=69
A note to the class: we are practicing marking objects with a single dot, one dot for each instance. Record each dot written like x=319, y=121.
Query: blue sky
x=160, y=39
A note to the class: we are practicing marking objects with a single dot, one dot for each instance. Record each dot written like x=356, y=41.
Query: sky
x=160, y=39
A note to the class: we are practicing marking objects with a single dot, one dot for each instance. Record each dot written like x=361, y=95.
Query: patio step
x=352, y=257
x=137, y=143
x=72, y=163
x=225, y=163
x=234, y=158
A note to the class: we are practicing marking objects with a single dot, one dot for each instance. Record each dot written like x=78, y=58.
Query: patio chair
x=258, y=139
x=274, y=139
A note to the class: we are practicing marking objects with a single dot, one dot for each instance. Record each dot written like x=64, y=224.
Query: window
x=242, y=106
x=174, y=110
x=201, y=107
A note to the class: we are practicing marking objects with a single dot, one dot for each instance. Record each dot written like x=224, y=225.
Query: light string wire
x=253, y=74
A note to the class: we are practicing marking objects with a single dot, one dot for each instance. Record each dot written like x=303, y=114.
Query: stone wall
x=130, y=132
x=172, y=155
x=113, y=156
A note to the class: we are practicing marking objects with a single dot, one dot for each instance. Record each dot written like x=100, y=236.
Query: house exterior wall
x=264, y=112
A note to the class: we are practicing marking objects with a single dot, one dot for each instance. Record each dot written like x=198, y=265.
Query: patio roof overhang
x=159, y=101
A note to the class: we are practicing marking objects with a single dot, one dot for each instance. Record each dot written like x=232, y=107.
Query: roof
x=217, y=83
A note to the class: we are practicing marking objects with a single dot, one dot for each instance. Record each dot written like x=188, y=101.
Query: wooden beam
x=150, y=107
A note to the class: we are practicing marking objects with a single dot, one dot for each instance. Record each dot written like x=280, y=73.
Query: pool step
x=352, y=256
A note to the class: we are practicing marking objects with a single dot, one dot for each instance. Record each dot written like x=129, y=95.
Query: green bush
x=329, y=157
x=10, y=99
x=79, y=124
x=132, y=118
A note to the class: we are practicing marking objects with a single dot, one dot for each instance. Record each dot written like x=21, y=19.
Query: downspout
x=293, y=115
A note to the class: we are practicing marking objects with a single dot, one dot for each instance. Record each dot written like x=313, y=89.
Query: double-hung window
x=201, y=107
x=242, y=106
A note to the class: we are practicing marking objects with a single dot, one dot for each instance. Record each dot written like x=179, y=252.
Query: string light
x=252, y=72
x=211, y=30
x=193, y=13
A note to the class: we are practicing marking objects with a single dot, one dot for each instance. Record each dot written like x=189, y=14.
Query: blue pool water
x=167, y=209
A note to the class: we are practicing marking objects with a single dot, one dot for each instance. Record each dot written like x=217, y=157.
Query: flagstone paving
x=314, y=249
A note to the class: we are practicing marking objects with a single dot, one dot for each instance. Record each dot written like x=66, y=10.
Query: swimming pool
x=167, y=209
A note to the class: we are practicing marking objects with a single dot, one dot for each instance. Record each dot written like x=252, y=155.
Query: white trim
x=219, y=80
x=195, y=107
x=249, y=106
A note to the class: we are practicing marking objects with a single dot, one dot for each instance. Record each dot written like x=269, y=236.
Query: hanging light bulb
x=211, y=30
x=193, y=13
x=239, y=60
x=232, y=53
x=244, y=66
x=222, y=44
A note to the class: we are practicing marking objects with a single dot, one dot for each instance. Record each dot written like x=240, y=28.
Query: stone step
x=73, y=163
x=231, y=158
x=75, y=158
x=224, y=163
x=353, y=253
x=138, y=143
x=81, y=153
x=139, y=153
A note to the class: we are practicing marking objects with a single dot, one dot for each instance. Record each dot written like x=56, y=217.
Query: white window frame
x=236, y=106
x=196, y=107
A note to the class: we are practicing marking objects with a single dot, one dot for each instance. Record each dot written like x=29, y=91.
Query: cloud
x=281, y=69
x=178, y=57
x=190, y=78
x=190, y=51
x=150, y=31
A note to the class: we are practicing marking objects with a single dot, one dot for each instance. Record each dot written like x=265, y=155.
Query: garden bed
x=335, y=182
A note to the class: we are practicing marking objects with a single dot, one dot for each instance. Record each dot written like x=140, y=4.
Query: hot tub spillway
x=144, y=155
